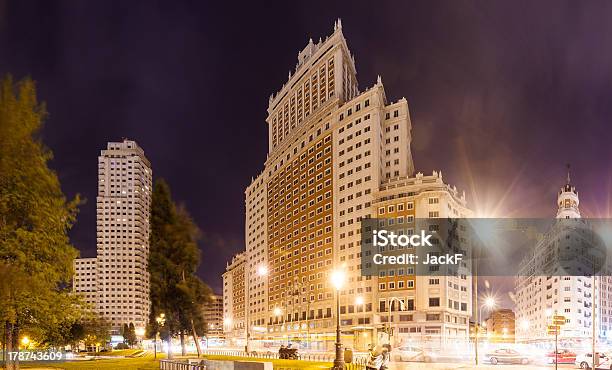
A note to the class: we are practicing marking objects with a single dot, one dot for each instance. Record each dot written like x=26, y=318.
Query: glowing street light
x=25, y=341
x=359, y=300
x=338, y=278
x=278, y=311
x=161, y=320
x=262, y=270
x=524, y=324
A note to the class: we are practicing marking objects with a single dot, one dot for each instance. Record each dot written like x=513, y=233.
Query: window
x=434, y=302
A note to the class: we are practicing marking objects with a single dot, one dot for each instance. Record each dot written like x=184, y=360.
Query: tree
x=97, y=332
x=129, y=334
x=35, y=252
x=174, y=257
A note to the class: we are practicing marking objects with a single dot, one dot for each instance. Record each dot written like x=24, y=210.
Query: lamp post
x=391, y=299
x=338, y=278
x=489, y=304
x=262, y=270
x=227, y=326
x=161, y=320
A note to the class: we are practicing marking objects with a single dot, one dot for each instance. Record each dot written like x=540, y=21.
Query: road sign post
x=554, y=329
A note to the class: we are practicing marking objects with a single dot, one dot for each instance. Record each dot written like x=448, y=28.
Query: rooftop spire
x=568, y=173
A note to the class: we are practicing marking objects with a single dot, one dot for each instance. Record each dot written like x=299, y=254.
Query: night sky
x=502, y=94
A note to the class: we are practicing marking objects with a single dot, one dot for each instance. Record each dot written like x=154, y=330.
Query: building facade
x=433, y=310
x=213, y=316
x=335, y=155
x=500, y=326
x=123, y=210
x=539, y=297
x=234, y=298
x=84, y=280
x=123, y=205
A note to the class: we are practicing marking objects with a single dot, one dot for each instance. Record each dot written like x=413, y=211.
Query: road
x=442, y=366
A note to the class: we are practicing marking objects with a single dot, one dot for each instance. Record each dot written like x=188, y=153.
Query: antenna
x=568, y=173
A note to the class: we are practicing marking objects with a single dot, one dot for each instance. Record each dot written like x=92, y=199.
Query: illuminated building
x=123, y=207
x=335, y=152
x=538, y=297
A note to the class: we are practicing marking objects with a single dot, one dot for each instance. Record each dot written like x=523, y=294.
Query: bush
x=122, y=346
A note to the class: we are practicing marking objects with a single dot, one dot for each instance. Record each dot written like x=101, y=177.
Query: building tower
x=540, y=297
x=568, y=200
x=123, y=208
x=333, y=149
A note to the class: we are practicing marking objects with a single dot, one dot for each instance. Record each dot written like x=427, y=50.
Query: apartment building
x=213, y=316
x=431, y=308
x=234, y=299
x=84, y=280
x=119, y=281
x=335, y=153
x=500, y=326
x=123, y=210
x=541, y=296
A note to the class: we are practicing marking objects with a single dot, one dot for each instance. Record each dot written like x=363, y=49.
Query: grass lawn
x=139, y=363
x=147, y=362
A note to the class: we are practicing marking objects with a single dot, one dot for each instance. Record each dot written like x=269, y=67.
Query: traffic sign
x=558, y=320
x=553, y=329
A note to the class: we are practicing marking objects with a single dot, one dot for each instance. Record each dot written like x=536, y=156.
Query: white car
x=411, y=353
x=585, y=361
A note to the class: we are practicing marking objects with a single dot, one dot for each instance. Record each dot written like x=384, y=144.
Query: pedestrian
x=386, y=356
x=376, y=358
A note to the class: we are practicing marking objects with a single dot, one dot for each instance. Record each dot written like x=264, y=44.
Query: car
x=411, y=353
x=585, y=361
x=507, y=356
x=564, y=356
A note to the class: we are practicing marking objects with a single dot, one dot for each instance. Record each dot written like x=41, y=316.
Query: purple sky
x=501, y=94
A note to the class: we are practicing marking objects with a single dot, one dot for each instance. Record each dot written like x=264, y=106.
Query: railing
x=321, y=357
x=177, y=365
x=359, y=363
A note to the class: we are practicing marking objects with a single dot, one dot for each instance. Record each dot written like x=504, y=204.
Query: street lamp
x=338, y=278
x=161, y=320
x=262, y=270
x=402, y=307
x=489, y=303
x=359, y=301
x=278, y=311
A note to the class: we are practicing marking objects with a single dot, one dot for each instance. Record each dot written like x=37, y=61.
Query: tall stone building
x=433, y=310
x=213, y=316
x=336, y=155
x=500, y=326
x=123, y=207
x=84, y=280
x=540, y=296
x=234, y=299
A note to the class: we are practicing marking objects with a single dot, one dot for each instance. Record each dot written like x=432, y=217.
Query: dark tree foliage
x=35, y=252
x=174, y=257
